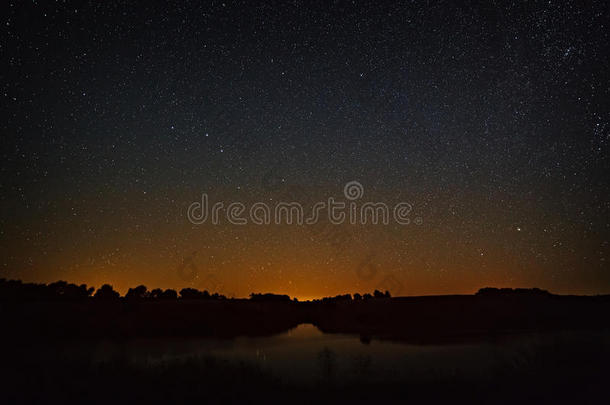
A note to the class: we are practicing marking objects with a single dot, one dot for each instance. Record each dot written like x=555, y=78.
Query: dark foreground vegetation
x=44, y=325
x=63, y=310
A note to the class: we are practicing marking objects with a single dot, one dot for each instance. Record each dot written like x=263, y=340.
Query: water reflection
x=341, y=366
x=304, y=354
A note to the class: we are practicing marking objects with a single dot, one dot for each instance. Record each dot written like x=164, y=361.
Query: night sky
x=491, y=120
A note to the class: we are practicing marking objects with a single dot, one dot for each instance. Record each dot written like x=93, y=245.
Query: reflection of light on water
x=294, y=355
x=303, y=330
x=260, y=355
x=305, y=354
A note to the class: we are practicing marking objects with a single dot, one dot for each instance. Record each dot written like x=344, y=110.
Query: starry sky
x=491, y=119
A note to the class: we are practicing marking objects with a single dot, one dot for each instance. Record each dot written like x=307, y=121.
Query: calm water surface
x=304, y=354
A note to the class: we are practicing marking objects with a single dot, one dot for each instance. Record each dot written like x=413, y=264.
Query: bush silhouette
x=138, y=293
x=106, y=292
x=169, y=295
x=268, y=297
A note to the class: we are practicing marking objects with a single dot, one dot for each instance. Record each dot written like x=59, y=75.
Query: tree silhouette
x=169, y=295
x=140, y=292
x=268, y=297
x=190, y=293
x=67, y=291
x=156, y=293
x=106, y=292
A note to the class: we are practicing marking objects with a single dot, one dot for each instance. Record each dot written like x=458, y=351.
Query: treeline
x=141, y=292
x=17, y=290
x=356, y=297
x=62, y=290
x=492, y=291
x=268, y=297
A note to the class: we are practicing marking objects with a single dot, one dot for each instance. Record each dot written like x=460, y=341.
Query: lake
x=306, y=355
